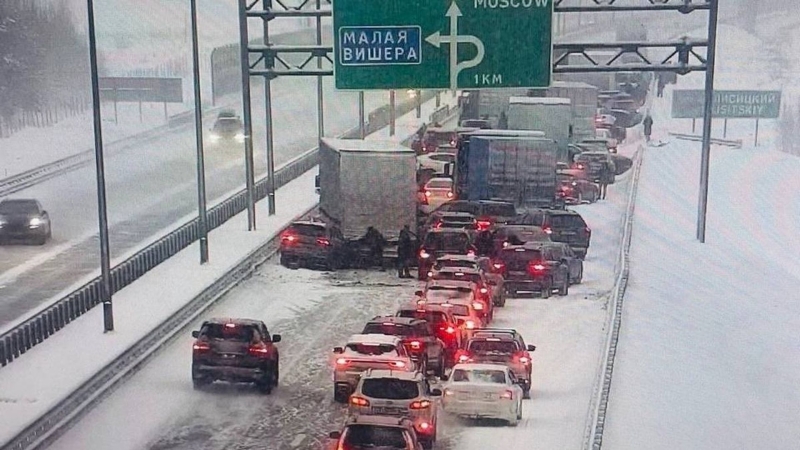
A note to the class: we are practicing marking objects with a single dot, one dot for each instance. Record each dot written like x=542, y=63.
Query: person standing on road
x=376, y=242
x=405, y=250
x=648, y=126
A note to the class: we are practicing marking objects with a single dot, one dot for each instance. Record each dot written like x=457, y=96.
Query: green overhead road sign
x=688, y=104
x=442, y=44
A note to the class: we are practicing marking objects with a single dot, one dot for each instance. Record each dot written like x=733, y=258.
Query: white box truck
x=553, y=115
x=367, y=184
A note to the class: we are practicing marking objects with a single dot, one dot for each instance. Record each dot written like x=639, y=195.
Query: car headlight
x=239, y=137
x=35, y=222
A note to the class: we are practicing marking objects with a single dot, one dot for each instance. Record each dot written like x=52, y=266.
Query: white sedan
x=483, y=391
x=436, y=161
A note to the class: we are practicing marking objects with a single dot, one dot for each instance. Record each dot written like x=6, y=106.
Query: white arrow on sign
x=436, y=39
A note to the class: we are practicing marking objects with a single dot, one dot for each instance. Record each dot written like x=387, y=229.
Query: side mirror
x=531, y=348
x=419, y=293
x=335, y=434
x=448, y=170
x=443, y=378
x=195, y=334
x=276, y=338
x=436, y=392
x=338, y=350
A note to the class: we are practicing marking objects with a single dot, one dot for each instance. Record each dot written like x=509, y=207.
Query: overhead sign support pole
x=246, y=116
x=705, y=157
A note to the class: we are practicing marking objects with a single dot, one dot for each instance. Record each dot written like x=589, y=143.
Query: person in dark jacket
x=648, y=127
x=405, y=251
x=376, y=242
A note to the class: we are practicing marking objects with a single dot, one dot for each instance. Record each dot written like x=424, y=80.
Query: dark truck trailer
x=517, y=169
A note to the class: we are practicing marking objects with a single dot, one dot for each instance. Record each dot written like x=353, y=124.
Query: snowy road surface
x=315, y=311
x=150, y=187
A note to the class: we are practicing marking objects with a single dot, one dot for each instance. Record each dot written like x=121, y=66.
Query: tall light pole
x=202, y=220
x=102, y=208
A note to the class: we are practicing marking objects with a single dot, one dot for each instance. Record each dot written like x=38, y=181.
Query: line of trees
x=44, y=65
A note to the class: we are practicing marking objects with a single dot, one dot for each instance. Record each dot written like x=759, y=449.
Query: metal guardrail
x=36, y=329
x=735, y=143
x=599, y=406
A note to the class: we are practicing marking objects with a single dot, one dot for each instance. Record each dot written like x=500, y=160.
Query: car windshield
x=567, y=221
x=518, y=259
x=456, y=309
x=432, y=317
x=439, y=265
x=452, y=275
x=228, y=332
x=19, y=207
x=479, y=376
x=391, y=329
x=363, y=349
x=439, y=184
x=390, y=388
x=500, y=210
x=495, y=346
x=447, y=241
x=308, y=230
x=374, y=437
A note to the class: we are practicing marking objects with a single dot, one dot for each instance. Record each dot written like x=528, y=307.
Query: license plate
x=389, y=411
x=228, y=355
x=568, y=233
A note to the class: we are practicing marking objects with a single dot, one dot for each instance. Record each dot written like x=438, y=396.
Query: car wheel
x=526, y=394
x=340, y=395
x=564, y=289
x=333, y=264
x=49, y=232
x=41, y=240
x=265, y=385
x=200, y=383
x=440, y=368
x=547, y=289
x=276, y=373
x=519, y=411
x=285, y=260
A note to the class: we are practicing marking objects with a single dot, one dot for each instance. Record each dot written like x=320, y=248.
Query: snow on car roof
x=357, y=145
x=539, y=101
x=386, y=373
x=450, y=283
x=379, y=339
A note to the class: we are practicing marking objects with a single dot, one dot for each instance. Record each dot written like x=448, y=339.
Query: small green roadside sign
x=442, y=44
x=688, y=104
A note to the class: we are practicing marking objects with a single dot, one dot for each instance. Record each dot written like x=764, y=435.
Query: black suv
x=440, y=242
x=599, y=166
x=24, y=219
x=526, y=268
x=559, y=251
x=418, y=337
x=313, y=243
x=236, y=350
x=486, y=212
x=565, y=226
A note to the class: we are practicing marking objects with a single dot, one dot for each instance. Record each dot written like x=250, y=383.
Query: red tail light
x=420, y=404
x=416, y=345
x=537, y=267
x=507, y=395
x=427, y=193
x=450, y=194
x=341, y=361
x=201, y=347
x=469, y=324
x=424, y=254
x=470, y=252
x=581, y=166
x=484, y=290
x=323, y=241
x=524, y=360
x=423, y=198
x=358, y=401
x=463, y=357
x=478, y=306
x=288, y=237
x=449, y=330
x=399, y=364
x=484, y=225
x=261, y=350
x=547, y=230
